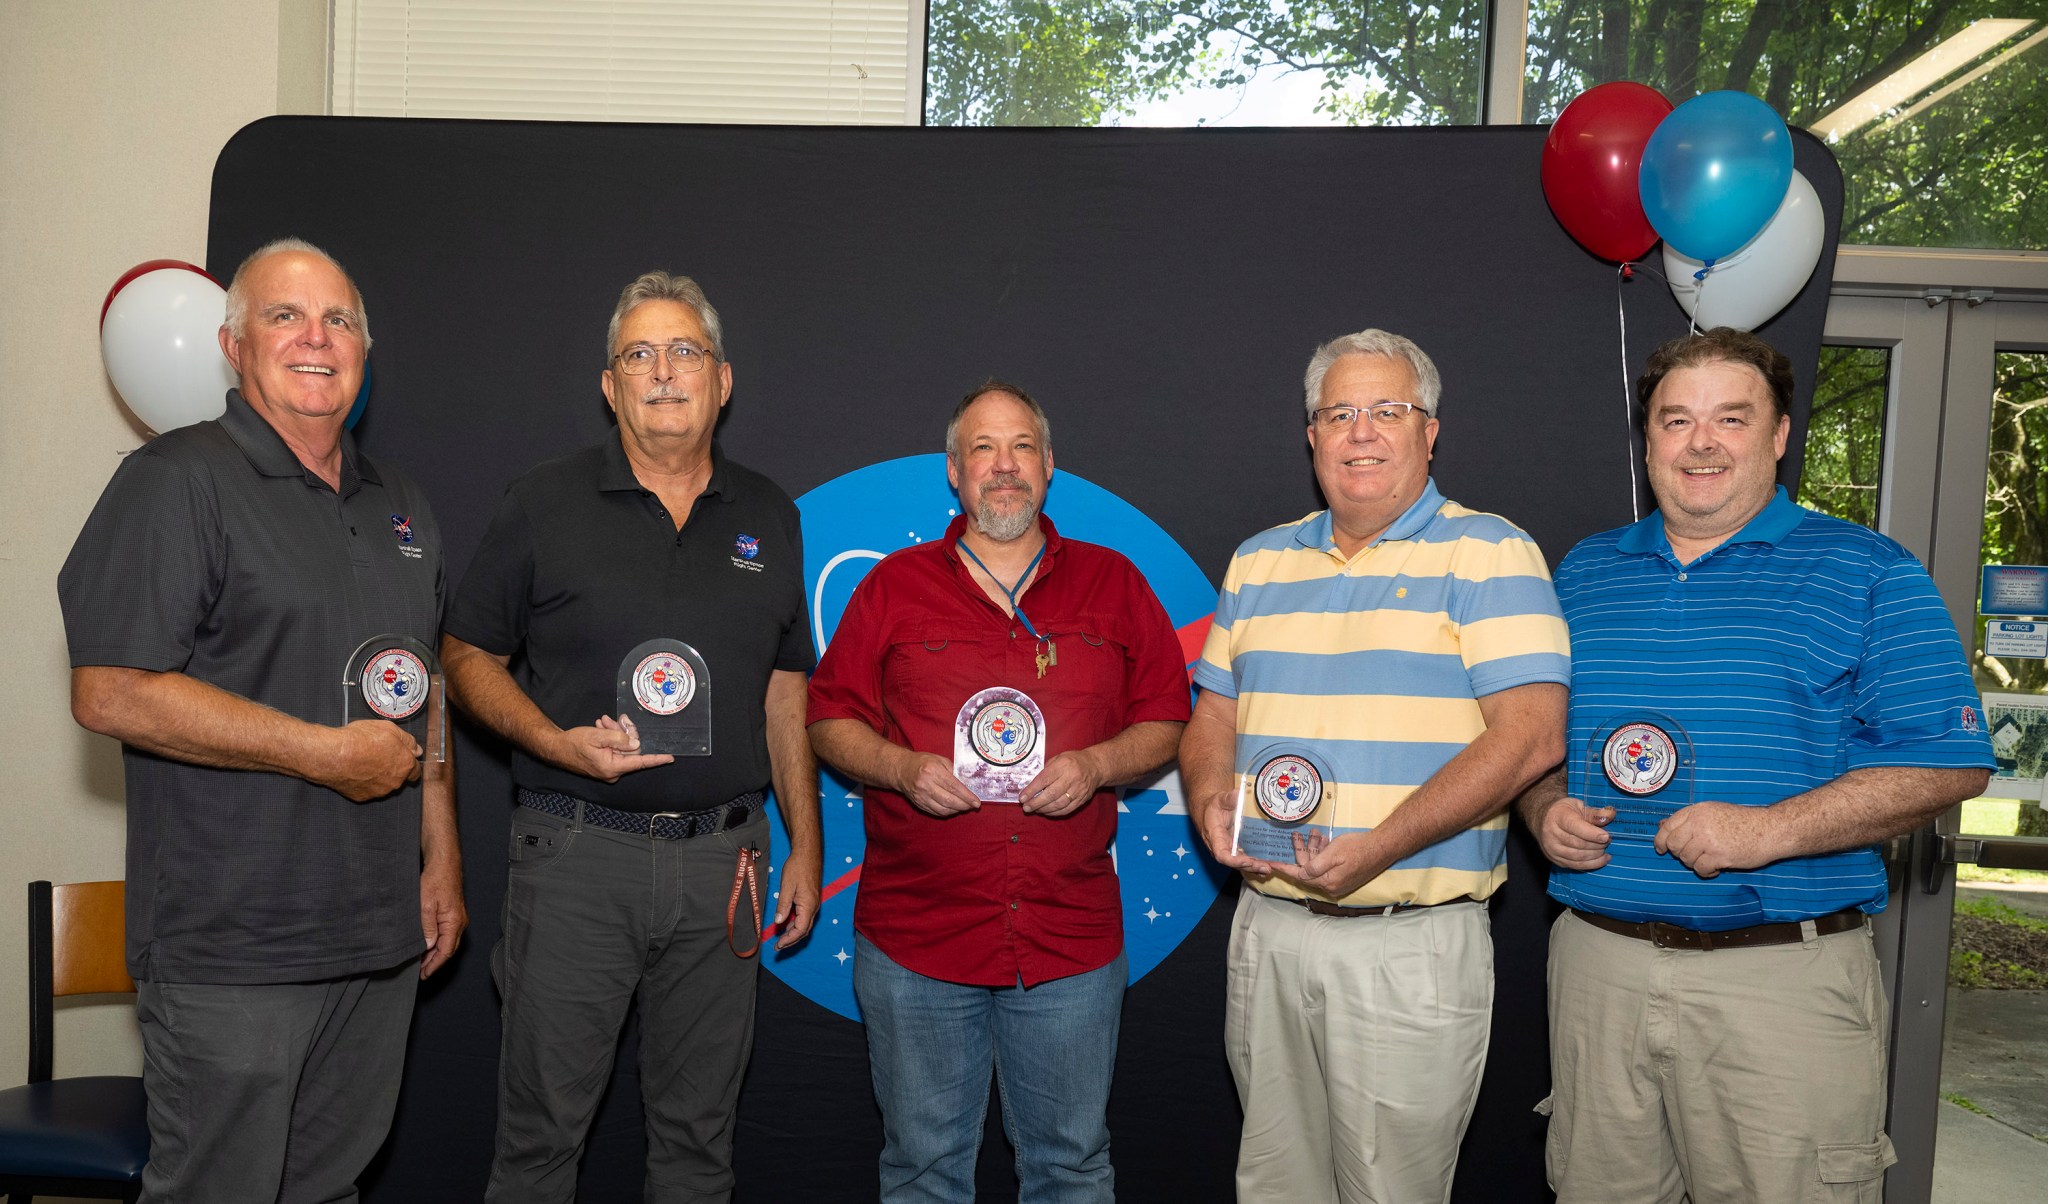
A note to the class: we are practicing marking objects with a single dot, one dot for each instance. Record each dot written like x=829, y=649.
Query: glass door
x=1943, y=389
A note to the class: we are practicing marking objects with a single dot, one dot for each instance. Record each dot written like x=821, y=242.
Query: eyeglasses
x=1386, y=414
x=638, y=360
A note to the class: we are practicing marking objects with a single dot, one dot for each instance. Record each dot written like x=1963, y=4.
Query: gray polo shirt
x=215, y=553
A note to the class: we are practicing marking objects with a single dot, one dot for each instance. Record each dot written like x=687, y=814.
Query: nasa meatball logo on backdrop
x=851, y=522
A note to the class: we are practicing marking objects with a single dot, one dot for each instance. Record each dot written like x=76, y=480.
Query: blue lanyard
x=1011, y=590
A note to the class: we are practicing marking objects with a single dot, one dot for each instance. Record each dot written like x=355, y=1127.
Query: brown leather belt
x=1670, y=936
x=1339, y=911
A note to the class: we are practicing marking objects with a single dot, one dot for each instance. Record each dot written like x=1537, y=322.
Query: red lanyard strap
x=743, y=875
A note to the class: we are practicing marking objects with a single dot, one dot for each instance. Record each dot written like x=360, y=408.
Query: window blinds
x=800, y=62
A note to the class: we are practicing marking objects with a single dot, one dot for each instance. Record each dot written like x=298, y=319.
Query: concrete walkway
x=1978, y=1160
x=1995, y=1054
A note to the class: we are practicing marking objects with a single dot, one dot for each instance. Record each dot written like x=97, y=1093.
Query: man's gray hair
x=1428, y=385
x=661, y=286
x=237, y=320
x=1039, y=421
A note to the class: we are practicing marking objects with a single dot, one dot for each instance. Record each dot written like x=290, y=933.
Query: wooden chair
x=86, y=1136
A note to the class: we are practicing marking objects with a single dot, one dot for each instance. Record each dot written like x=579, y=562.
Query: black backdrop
x=1159, y=290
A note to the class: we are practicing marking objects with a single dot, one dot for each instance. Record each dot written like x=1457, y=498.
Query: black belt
x=661, y=825
x=1339, y=911
x=1670, y=936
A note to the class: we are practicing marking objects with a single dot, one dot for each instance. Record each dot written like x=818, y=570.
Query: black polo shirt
x=215, y=553
x=582, y=564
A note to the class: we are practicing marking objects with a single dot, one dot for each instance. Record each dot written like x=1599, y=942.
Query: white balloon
x=1748, y=287
x=161, y=349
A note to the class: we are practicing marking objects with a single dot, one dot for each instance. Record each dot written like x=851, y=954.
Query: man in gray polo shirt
x=633, y=877
x=285, y=868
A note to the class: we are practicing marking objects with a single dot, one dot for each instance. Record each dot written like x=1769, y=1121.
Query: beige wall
x=111, y=115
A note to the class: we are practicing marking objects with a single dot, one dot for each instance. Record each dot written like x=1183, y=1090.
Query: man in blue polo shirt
x=1760, y=695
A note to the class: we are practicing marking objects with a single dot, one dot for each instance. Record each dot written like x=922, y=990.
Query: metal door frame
x=1943, y=315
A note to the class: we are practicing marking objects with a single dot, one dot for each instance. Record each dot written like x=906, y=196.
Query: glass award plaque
x=395, y=678
x=999, y=744
x=1641, y=765
x=1288, y=792
x=665, y=690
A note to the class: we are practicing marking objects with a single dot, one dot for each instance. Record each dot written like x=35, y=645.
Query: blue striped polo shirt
x=1376, y=662
x=1802, y=648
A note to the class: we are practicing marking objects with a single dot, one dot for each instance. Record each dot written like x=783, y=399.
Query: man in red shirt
x=989, y=934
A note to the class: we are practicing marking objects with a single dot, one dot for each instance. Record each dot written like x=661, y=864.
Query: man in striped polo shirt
x=1760, y=694
x=1414, y=649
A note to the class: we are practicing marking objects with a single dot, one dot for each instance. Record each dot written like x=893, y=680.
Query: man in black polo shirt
x=284, y=867
x=631, y=873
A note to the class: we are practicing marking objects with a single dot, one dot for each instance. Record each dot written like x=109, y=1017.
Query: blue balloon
x=355, y=412
x=1714, y=172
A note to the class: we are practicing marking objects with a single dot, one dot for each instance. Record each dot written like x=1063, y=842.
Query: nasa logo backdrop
x=854, y=520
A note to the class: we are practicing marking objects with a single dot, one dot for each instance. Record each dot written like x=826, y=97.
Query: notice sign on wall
x=2014, y=589
x=2013, y=638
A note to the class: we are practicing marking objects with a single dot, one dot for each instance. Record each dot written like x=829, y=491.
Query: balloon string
x=1699, y=297
x=1628, y=426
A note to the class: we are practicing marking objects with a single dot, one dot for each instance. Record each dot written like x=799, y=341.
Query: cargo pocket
x=1855, y=1172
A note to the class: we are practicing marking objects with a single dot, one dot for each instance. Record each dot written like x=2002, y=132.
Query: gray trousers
x=270, y=1094
x=596, y=921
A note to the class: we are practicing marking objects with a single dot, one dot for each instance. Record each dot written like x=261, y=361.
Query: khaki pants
x=1357, y=1045
x=1744, y=1076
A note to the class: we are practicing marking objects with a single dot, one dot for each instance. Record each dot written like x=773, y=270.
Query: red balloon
x=1590, y=166
x=143, y=268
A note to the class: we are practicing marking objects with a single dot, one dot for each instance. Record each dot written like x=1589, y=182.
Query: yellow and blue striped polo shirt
x=1377, y=662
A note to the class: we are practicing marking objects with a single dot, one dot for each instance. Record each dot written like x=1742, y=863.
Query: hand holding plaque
x=999, y=744
x=1289, y=793
x=1641, y=765
x=395, y=678
x=665, y=691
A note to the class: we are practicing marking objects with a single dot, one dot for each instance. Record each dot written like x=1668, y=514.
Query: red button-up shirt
x=993, y=896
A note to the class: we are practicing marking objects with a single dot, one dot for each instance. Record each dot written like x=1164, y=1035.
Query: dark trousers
x=270, y=1094
x=596, y=921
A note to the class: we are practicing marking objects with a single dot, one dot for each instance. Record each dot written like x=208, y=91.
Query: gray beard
x=1004, y=527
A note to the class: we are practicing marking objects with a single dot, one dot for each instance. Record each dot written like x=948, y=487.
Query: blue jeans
x=931, y=1046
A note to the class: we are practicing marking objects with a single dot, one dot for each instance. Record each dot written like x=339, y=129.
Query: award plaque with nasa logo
x=1288, y=791
x=395, y=677
x=1641, y=765
x=999, y=744
x=665, y=690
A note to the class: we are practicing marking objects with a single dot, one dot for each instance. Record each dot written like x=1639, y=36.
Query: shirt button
x=1014, y=905
x=1681, y=576
x=1015, y=839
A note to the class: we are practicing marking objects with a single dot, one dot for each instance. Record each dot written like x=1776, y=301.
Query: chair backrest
x=77, y=946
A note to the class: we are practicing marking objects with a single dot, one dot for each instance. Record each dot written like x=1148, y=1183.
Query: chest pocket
x=934, y=670
x=1089, y=674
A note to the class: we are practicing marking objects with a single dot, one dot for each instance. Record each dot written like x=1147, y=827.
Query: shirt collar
x=1770, y=525
x=1318, y=531
x=958, y=527
x=616, y=473
x=269, y=455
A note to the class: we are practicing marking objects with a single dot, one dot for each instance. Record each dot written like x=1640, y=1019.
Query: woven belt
x=662, y=825
x=1670, y=936
x=1339, y=911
